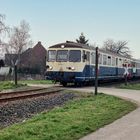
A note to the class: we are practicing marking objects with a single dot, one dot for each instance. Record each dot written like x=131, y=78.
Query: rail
x=12, y=96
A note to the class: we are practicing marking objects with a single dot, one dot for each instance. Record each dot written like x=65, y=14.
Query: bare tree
x=93, y=45
x=4, y=30
x=119, y=47
x=19, y=40
x=109, y=45
x=3, y=27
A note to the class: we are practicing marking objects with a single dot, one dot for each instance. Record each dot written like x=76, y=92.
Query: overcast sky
x=55, y=21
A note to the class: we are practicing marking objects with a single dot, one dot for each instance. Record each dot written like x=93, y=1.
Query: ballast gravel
x=18, y=111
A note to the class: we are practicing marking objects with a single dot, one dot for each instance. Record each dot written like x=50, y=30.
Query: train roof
x=70, y=44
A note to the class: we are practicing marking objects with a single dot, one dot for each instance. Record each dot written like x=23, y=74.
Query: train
x=71, y=62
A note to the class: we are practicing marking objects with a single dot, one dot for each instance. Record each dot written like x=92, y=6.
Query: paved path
x=126, y=128
x=133, y=95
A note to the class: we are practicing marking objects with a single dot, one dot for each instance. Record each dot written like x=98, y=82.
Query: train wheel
x=64, y=84
x=78, y=84
x=75, y=84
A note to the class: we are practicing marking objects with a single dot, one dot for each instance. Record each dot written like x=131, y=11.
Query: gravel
x=18, y=111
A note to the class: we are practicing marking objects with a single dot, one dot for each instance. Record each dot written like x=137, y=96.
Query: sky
x=55, y=21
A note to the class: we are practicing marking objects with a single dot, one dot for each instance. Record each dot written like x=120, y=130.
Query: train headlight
x=50, y=67
x=72, y=68
x=62, y=46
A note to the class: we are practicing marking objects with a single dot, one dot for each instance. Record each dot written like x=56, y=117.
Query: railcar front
x=65, y=63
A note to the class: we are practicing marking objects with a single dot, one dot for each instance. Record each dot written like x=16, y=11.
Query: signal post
x=96, y=71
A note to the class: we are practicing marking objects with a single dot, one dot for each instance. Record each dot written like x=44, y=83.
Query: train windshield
x=51, y=55
x=74, y=56
x=62, y=55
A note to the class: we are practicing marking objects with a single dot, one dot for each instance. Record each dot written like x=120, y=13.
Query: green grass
x=9, y=85
x=130, y=86
x=36, y=82
x=72, y=121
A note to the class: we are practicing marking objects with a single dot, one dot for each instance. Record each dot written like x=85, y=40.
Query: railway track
x=17, y=95
x=106, y=83
x=118, y=83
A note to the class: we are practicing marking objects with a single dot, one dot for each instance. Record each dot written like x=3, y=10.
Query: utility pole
x=15, y=70
x=96, y=71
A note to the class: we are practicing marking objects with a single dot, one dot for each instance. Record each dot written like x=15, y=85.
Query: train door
x=88, y=66
x=134, y=69
x=116, y=66
x=88, y=58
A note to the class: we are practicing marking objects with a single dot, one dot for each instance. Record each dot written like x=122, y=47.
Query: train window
x=62, y=55
x=138, y=65
x=93, y=58
x=125, y=61
x=133, y=64
x=113, y=61
x=84, y=56
x=109, y=60
x=74, y=56
x=116, y=61
x=100, y=59
x=104, y=60
x=120, y=62
x=88, y=56
x=51, y=55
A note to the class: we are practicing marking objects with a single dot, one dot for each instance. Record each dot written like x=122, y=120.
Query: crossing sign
x=126, y=72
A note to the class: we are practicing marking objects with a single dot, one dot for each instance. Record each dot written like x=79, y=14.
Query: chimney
x=39, y=43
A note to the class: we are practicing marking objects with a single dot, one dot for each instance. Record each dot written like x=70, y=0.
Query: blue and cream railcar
x=75, y=63
x=136, y=68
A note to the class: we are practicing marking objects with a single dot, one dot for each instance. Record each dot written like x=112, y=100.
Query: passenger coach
x=75, y=63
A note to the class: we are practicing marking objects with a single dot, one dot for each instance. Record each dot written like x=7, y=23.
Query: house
x=32, y=61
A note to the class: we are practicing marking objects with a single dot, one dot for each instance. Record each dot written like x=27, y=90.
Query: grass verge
x=72, y=121
x=130, y=86
x=36, y=82
x=9, y=85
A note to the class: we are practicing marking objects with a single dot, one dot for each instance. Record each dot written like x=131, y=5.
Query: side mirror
x=84, y=56
x=47, y=67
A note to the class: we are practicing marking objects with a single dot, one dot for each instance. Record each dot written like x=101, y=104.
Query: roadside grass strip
x=72, y=121
x=36, y=81
x=130, y=86
x=9, y=85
